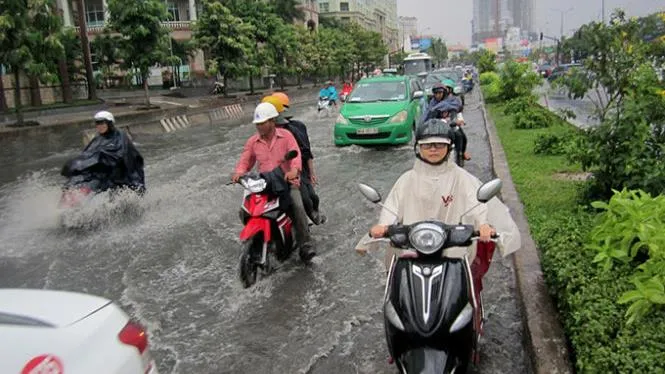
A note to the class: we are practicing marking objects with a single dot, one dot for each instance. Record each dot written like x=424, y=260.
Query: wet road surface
x=175, y=267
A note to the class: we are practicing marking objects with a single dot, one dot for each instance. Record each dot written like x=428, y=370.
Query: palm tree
x=288, y=10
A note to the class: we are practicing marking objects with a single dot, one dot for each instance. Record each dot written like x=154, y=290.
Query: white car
x=58, y=332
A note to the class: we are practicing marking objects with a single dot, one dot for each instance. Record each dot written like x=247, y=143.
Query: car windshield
x=449, y=74
x=366, y=92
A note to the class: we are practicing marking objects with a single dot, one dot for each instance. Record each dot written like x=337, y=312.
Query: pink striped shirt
x=268, y=153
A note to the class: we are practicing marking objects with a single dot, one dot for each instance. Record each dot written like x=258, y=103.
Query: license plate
x=367, y=131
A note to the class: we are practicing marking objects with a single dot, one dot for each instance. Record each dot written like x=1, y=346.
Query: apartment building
x=375, y=15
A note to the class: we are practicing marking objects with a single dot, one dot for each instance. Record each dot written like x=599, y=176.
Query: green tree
x=29, y=42
x=108, y=49
x=145, y=38
x=282, y=43
x=288, y=10
x=261, y=16
x=620, y=79
x=73, y=58
x=485, y=60
x=438, y=51
x=224, y=37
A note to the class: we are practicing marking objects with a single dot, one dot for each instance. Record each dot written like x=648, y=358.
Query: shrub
x=550, y=144
x=630, y=231
x=517, y=80
x=586, y=296
x=533, y=118
x=489, y=78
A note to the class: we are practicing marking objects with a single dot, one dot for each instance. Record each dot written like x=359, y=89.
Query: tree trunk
x=64, y=77
x=224, y=89
x=145, y=90
x=17, y=96
x=299, y=80
x=251, y=84
x=35, y=94
x=3, y=100
x=87, y=60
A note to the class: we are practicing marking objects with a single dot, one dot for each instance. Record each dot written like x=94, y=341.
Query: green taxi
x=380, y=110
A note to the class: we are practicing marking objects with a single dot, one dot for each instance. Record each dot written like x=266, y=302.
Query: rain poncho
x=444, y=192
x=435, y=108
x=110, y=159
x=329, y=92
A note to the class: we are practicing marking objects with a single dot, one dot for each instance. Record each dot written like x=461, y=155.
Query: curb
x=545, y=340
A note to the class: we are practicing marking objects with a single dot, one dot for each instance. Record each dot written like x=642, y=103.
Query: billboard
x=421, y=43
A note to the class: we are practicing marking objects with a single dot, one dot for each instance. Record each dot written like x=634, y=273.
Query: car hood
x=57, y=308
x=386, y=108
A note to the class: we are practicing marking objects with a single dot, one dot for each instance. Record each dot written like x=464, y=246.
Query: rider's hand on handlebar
x=236, y=177
x=291, y=175
x=378, y=231
x=486, y=232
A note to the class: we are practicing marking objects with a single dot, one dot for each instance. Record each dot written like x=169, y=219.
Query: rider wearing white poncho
x=438, y=189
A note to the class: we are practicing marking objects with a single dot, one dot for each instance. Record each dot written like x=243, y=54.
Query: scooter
x=268, y=230
x=432, y=315
x=324, y=105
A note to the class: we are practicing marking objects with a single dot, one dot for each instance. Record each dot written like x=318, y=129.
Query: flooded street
x=175, y=267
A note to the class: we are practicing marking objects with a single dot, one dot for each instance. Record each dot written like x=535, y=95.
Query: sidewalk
x=125, y=103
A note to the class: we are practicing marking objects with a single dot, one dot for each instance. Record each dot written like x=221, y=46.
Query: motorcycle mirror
x=290, y=155
x=370, y=193
x=488, y=190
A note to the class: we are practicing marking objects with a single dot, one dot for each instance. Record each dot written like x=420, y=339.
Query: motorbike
x=83, y=183
x=87, y=179
x=268, y=230
x=324, y=106
x=433, y=317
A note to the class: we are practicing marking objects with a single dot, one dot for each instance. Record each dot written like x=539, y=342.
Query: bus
x=416, y=63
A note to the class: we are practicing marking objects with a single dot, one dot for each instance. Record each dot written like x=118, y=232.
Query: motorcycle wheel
x=248, y=269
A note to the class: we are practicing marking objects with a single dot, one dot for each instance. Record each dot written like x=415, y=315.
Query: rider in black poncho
x=109, y=161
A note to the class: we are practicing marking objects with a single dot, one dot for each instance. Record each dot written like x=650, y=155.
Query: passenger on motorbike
x=330, y=92
x=113, y=159
x=450, y=96
x=266, y=149
x=308, y=175
x=438, y=189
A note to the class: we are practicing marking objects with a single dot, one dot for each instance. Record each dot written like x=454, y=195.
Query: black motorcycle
x=431, y=315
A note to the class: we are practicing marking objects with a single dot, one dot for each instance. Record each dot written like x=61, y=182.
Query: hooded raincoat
x=445, y=192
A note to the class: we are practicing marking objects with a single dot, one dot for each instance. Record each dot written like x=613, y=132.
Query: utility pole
x=563, y=12
x=87, y=60
x=602, y=6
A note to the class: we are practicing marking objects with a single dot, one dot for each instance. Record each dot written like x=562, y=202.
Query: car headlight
x=341, y=120
x=427, y=238
x=254, y=185
x=399, y=117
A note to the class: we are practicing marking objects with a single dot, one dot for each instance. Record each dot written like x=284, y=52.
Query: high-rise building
x=408, y=28
x=493, y=18
x=375, y=15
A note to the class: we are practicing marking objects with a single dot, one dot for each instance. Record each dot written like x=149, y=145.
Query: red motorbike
x=268, y=230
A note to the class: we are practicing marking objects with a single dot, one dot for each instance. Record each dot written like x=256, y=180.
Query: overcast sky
x=451, y=19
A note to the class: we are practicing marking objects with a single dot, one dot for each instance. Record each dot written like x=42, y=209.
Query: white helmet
x=104, y=116
x=264, y=112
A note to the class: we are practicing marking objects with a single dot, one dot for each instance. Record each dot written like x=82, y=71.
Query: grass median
x=586, y=296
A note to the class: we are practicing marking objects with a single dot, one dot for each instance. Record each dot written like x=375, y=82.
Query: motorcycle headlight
x=399, y=117
x=254, y=185
x=427, y=238
x=341, y=120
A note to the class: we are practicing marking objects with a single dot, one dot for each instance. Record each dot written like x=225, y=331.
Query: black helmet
x=434, y=128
